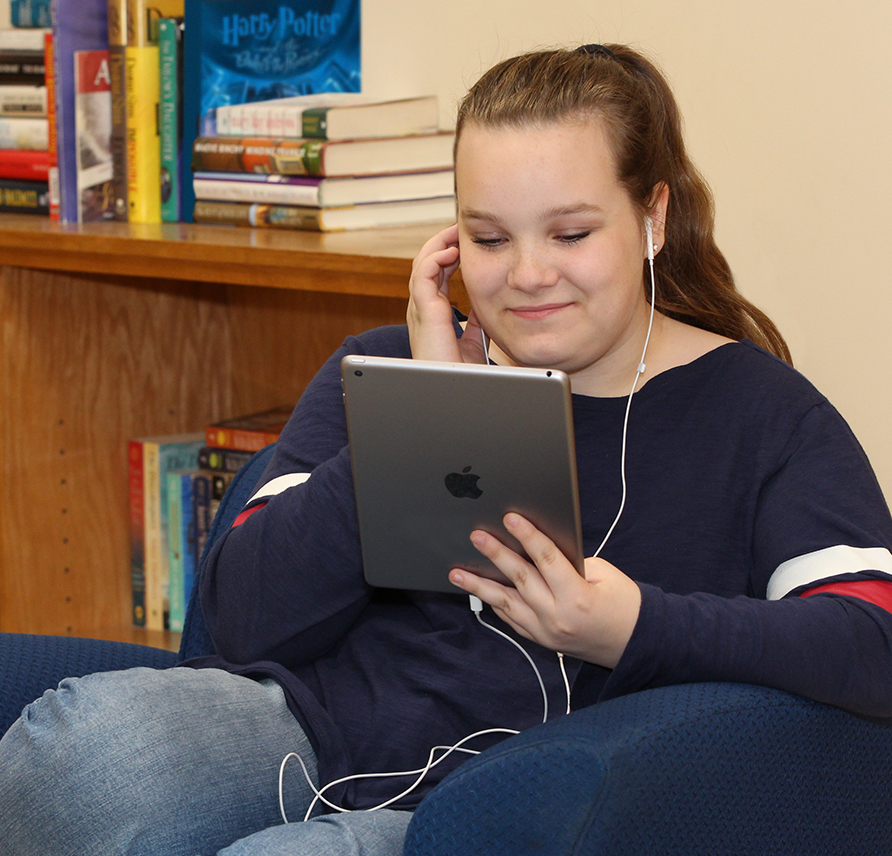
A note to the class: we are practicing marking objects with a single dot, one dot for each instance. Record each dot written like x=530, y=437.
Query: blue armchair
x=688, y=770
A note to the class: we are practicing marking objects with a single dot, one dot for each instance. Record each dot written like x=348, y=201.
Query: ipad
x=440, y=449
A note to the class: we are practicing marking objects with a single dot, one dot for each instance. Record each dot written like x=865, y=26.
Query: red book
x=53, y=152
x=24, y=165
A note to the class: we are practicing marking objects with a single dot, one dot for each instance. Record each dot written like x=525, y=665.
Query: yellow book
x=143, y=87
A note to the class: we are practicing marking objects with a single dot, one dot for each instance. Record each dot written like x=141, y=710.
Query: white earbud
x=649, y=229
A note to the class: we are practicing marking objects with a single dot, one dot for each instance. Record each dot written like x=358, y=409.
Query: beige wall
x=788, y=109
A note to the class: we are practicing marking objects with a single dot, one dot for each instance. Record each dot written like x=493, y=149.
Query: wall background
x=788, y=113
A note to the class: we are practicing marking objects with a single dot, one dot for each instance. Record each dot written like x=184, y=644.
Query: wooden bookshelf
x=112, y=331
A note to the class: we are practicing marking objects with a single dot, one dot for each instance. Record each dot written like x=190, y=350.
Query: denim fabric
x=163, y=763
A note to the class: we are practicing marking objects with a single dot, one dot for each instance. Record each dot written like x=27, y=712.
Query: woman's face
x=552, y=251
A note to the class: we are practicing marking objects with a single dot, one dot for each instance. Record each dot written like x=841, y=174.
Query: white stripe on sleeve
x=830, y=562
x=279, y=484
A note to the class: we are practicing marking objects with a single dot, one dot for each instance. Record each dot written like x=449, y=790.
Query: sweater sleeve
x=830, y=648
x=286, y=583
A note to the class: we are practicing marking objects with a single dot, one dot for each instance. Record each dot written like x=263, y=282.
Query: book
x=77, y=25
x=25, y=165
x=20, y=38
x=372, y=215
x=23, y=100
x=117, y=42
x=52, y=133
x=223, y=460
x=321, y=192
x=141, y=79
x=182, y=541
x=30, y=13
x=18, y=132
x=201, y=515
x=142, y=85
x=249, y=433
x=160, y=456
x=24, y=197
x=136, y=488
x=170, y=49
x=241, y=51
x=22, y=66
x=92, y=125
x=324, y=158
x=329, y=116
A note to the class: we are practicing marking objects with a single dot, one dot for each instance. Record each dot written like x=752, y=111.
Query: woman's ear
x=659, y=204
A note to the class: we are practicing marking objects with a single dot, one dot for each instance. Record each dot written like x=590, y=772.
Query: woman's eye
x=573, y=238
x=487, y=242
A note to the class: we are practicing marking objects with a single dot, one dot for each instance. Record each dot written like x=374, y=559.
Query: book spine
x=92, y=125
x=176, y=547
x=255, y=191
x=18, y=100
x=262, y=216
x=170, y=120
x=258, y=154
x=152, y=551
x=52, y=129
x=190, y=558
x=223, y=460
x=201, y=510
x=30, y=13
x=24, y=197
x=137, y=533
x=117, y=35
x=24, y=165
x=143, y=145
x=239, y=439
x=22, y=66
x=25, y=134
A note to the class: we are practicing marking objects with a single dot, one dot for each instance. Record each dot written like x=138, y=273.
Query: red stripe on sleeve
x=246, y=514
x=878, y=592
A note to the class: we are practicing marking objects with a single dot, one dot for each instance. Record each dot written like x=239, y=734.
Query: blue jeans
x=170, y=762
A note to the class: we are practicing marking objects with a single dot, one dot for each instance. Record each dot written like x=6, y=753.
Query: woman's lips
x=535, y=313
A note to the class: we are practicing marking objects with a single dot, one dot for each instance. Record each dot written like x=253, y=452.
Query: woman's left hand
x=591, y=617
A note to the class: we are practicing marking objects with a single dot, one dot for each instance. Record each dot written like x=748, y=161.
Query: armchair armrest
x=688, y=770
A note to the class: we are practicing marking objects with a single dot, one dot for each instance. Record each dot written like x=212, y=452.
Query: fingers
x=429, y=312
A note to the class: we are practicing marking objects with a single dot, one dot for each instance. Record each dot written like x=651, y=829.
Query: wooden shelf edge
x=373, y=262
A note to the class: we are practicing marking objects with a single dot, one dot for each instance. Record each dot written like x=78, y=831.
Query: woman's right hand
x=429, y=313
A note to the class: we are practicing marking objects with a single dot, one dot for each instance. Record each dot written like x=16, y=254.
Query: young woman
x=753, y=542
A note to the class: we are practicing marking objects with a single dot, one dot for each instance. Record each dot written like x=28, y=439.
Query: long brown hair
x=629, y=95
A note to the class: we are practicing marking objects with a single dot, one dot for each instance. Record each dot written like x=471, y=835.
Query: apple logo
x=463, y=485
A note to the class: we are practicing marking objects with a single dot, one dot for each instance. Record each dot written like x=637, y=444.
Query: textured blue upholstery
x=717, y=769
x=686, y=770
x=30, y=665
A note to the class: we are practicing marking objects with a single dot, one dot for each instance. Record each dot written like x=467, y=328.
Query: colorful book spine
x=95, y=191
x=52, y=133
x=26, y=134
x=23, y=100
x=181, y=544
x=143, y=143
x=161, y=456
x=24, y=197
x=170, y=49
x=137, y=533
x=25, y=165
x=117, y=41
x=30, y=13
x=78, y=25
x=22, y=67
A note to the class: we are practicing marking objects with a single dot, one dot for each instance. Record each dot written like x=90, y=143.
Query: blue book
x=30, y=13
x=78, y=25
x=239, y=51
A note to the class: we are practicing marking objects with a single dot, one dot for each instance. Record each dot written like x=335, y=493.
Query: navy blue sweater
x=746, y=488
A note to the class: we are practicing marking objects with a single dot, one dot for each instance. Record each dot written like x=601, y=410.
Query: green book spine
x=170, y=117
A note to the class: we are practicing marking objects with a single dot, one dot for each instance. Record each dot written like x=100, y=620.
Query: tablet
x=440, y=449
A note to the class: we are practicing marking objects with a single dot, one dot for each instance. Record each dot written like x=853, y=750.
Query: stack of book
x=176, y=484
x=24, y=126
x=325, y=163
